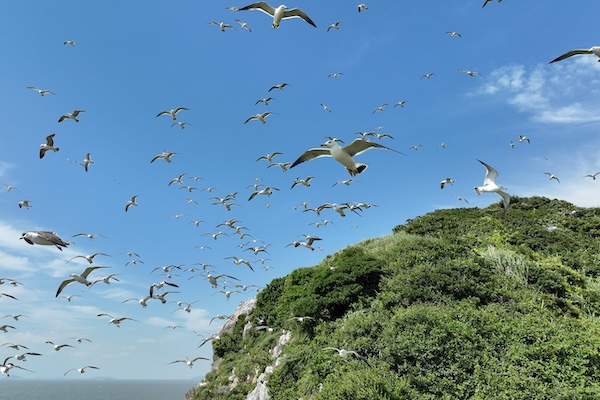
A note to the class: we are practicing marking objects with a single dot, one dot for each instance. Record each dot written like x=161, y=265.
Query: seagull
x=415, y=147
x=6, y=367
x=82, y=278
x=44, y=238
x=70, y=42
x=346, y=182
x=238, y=261
x=131, y=202
x=80, y=340
x=89, y=258
x=261, y=117
x=4, y=328
x=593, y=176
x=283, y=165
x=342, y=154
x=10, y=188
x=72, y=116
x=141, y=301
x=335, y=74
x=280, y=86
x=172, y=112
x=470, y=73
x=268, y=191
x=362, y=6
x=345, y=353
x=489, y=185
x=57, y=347
x=15, y=316
x=89, y=235
x=80, y=370
x=487, y=1
x=380, y=108
x=243, y=25
x=49, y=145
x=305, y=182
x=165, y=155
x=106, y=279
x=264, y=100
x=400, y=103
x=221, y=25
x=188, y=362
x=511, y=144
x=336, y=207
x=325, y=107
x=551, y=176
x=268, y=157
x=178, y=179
x=428, y=75
x=213, y=279
x=181, y=124
x=595, y=50
x=446, y=181
x=279, y=13
x=24, y=203
x=87, y=161
x=116, y=321
x=42, y=92
x=524, y=139
x=453, y=34
x=335, y=25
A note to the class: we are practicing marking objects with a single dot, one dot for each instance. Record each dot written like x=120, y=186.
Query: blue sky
x=134, y=59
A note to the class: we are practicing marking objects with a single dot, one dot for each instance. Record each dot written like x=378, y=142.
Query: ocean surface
x=92, y=389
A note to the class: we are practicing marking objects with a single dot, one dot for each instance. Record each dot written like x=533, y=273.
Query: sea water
x=92, y=389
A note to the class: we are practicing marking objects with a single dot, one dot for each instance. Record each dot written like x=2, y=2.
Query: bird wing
x=260, y=6
x=297, y=13
x=50, y=140
x=570, y=53
x=505, y=199
x=63, y=285
x=359, y=146
x=310, y=154
x=491, y=174
x=89, y=270
x=51, y=237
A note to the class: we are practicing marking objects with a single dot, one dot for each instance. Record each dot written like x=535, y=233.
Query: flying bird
x=489, y=185
x=181, y=124
x=222, y=25
x=279, y=13
x=87, y=161
x=172, y=112
x=343, y=155
x=447, y=181
x=81, y=278
x=264, y=100
x=81, y=370
x=524, y=139
x=335, y=25
x=593, y=176
x=131, y=202
x=188, y=362
x=165, y=155
x=362, y=6
x=551, y=176
x=72, y=116
x=595, y=50
x=116, y=321
x=428, y=75
x=487, y=1
x=280, y=86
x=70, y=42
x=48, y=146
x=24, y=203
x=42, y=92
x=44, y=238
x=470, y=73
x=453, y=34
x=261, y=117
x=243, y=25
x=89, y=258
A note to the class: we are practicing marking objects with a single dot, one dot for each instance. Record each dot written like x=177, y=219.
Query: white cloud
x=556, y=94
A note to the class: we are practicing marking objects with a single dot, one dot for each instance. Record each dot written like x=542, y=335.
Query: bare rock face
x=261, y=391
x=244, y=308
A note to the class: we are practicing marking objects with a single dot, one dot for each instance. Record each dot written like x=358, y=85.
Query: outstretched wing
x=310, y=154
x=490, y=175
x=360, y=145
x=570, y=54
x=297, y=13
x=260, y=6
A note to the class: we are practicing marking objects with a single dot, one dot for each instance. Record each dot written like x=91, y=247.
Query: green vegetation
x=457, y=304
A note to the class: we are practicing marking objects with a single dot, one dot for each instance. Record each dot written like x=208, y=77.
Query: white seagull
x=87, y=161
x=221, y=25
x=489, y=185
x=48, y=146
x=24, y=203
x=42, y=92
x=595, y=50
x=72, y=116
x=81, y=370
x=188, y=362
x=131, y=202
x=81, y=278
x=44, y=238
x=261, y=117
x=243, y=25
x=342, y=155
x=447, y=181
x=172, y=112
x=279, y=13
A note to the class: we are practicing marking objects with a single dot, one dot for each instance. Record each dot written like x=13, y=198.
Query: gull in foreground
x=343, y=155
x=44, y=238
x=81, y=278
x=72, y=116
x=279, y=13
x=48, y=146
x=42, y=92
x=80, y=370
x=172, y=112
x=489, y=185
x=595, y=50
x=188, y=362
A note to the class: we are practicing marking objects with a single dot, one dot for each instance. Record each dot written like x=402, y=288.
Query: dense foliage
x=457, y=304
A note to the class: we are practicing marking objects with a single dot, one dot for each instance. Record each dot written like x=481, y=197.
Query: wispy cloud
x=556, y=94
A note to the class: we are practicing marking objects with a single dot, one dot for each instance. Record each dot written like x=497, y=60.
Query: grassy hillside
x=457, y=304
